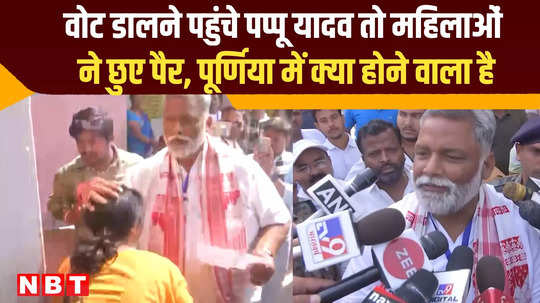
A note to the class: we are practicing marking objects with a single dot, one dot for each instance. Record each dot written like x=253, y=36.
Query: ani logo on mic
x=327, y=239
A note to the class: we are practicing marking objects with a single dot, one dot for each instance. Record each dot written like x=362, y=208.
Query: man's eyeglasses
x=318, y=164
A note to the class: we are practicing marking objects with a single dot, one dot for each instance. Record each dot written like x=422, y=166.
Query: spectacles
x=320, y=164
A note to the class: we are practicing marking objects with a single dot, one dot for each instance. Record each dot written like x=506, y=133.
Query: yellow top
x=135, y=276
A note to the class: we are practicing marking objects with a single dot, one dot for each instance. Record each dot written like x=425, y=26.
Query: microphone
x=419, y=288
x=530, y=212
x=462, y=257
x=517, y=192
x=373, y=273
x=333, y=239
x=400, y=258
x=433, y=243
x=454, y=283
x=362, y=181
x=490, y=281
x=332, y=198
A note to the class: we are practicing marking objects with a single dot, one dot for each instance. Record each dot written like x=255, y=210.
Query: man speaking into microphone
x=452, y=156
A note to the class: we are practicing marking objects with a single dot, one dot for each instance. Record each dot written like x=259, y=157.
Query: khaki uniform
x=69, y=176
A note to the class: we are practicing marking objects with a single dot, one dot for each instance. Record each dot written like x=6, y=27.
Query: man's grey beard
x=188, y=149
x=451, y=201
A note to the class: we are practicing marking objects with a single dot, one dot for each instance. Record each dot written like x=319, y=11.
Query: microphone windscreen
x=380, y=226
x=434, y=244
x=361, y=181
x=489, y=273
x=514, y=191
x=419, y=288
x=461, y=258
x=530, y=212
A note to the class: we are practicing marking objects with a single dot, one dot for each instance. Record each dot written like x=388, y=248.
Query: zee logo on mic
x=403, y=257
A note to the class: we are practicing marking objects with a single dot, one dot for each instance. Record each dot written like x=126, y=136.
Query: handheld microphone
x=333, y=239
x=419, y=288
x=373, y=273
x=530, y=212
x=490, y=281
x=518, y=192
x=454, y=283
x=462, y=257
x=362, y=181
x=381, y=294
x=400, y=258
x=332, y=198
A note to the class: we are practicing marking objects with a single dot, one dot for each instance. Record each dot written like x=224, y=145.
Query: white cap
x=302, y=145
x=298, y=148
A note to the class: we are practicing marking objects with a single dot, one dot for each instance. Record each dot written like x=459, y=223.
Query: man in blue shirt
x=361, y=117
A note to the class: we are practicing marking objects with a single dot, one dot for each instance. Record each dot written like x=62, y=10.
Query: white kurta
x=262, y=204
x=528, y=235
x=374, y=198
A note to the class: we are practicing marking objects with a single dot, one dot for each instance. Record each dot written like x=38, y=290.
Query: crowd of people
x=203, y=212
x=199, y=220
x=442, y=169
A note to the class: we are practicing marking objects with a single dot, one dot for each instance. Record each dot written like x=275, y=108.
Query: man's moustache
x=316, y=178
x=173, y=139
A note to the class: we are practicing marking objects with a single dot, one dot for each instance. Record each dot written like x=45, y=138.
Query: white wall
x=20, y=221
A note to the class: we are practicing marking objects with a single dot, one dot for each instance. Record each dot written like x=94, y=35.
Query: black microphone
x=372, y=274
x=530, y=212
x=489, y=274
x=433, y=243
x=363, y=180
x=490, y=279
x=462, y=257
x=419, y=288
x=389, y=223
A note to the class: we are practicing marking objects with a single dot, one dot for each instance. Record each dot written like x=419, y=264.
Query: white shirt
x=343, y=159
x=514, y=165
x=286, y=163
x=374, y=198
x=313, y=134
x=359, y=167
x=263, y=207
x=529, y=236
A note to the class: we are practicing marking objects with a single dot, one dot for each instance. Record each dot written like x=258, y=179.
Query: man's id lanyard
x=464, y=239
x=185, y=187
